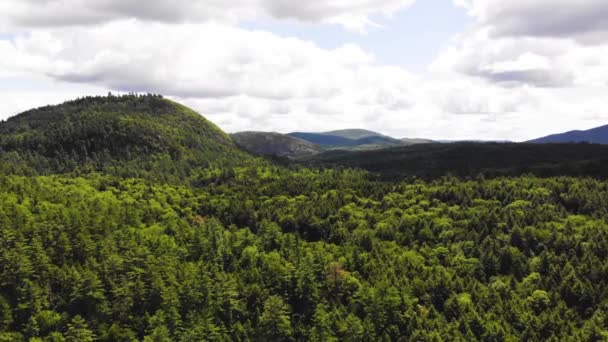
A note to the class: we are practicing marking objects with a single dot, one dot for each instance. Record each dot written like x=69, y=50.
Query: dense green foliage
x=128, y=135
x=275, y=253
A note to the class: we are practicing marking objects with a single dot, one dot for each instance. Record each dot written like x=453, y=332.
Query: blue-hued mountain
x=598, y=135
x=354, y=133
x=322, y=139
x=354, y=139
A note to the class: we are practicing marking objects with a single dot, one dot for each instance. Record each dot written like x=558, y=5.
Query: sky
x=439, y=69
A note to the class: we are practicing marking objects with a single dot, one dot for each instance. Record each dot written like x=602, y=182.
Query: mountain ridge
x=597, y=135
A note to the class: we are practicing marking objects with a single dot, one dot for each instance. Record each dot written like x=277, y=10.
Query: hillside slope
x=270, y=143
x=142, y=133
x=598, y=135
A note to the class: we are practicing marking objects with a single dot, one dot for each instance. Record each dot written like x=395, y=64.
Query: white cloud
x=510, y=61
x=584, y=20
x=524, y=69
x=19, y=94
x=187, y=60
x=352, y=14
x=250, y=78
x=474, y=97
x=539, y=43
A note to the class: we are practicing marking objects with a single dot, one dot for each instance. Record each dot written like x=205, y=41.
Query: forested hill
x=128, y=134
x=467, y=160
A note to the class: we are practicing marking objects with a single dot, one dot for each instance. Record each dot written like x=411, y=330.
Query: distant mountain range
x=271, y=143
x=298, y=144
x=353, y=134
x=304, y=144
x=351, y=138
x=597, y=135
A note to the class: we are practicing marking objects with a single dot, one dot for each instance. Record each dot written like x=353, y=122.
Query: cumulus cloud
x=584, y=20
x=525, y=68
x=352, y=14
x=472, y=97
x=19, y=94
x=253, y=75
x=510, y=61
x=537, y=43
x=189, y=60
